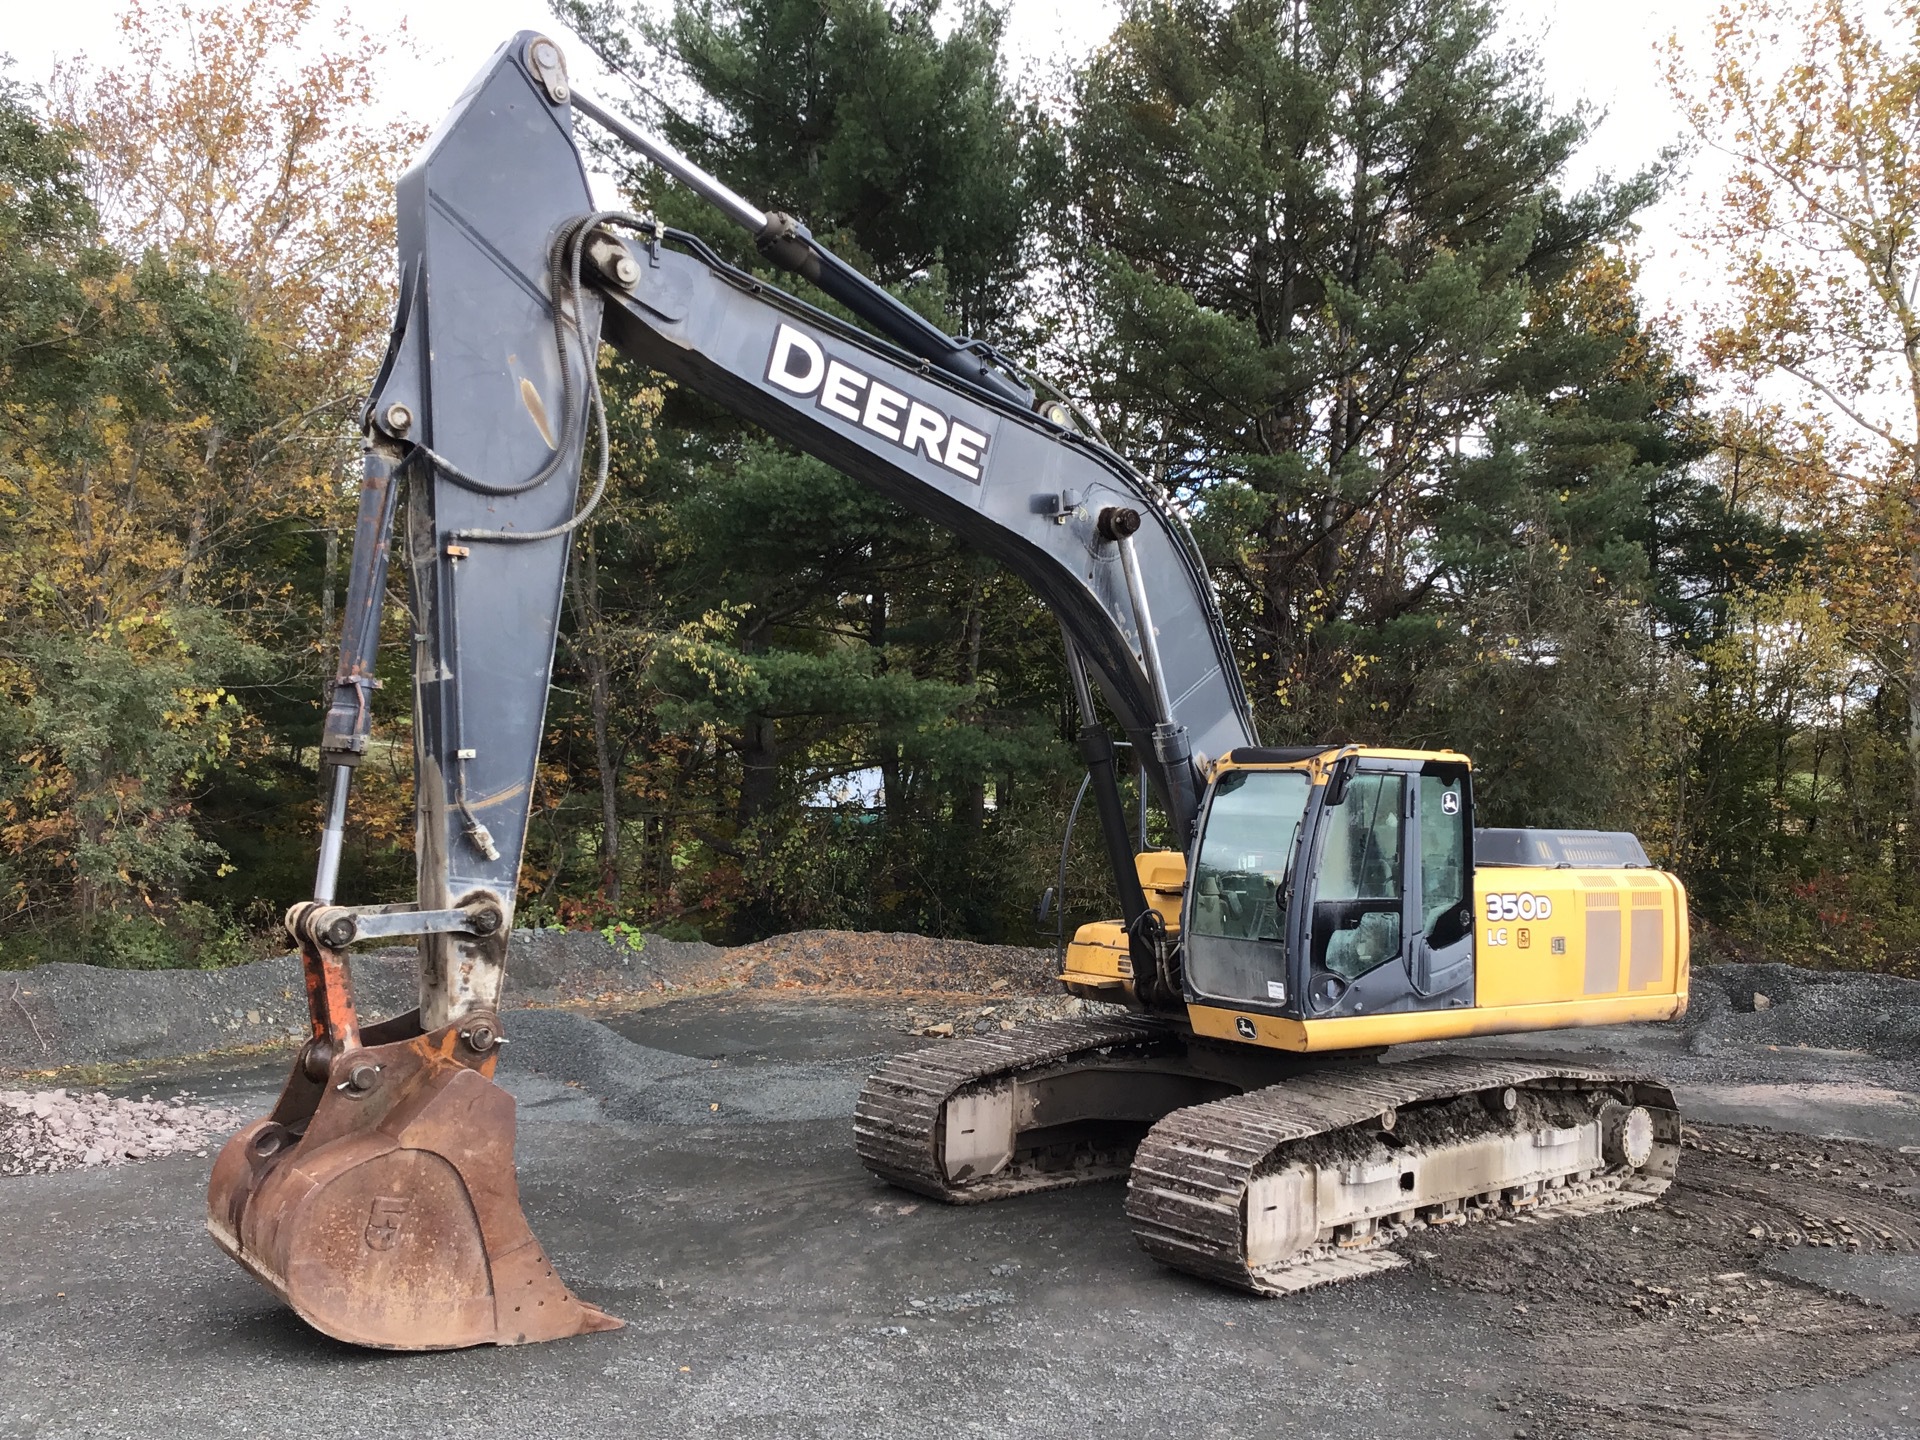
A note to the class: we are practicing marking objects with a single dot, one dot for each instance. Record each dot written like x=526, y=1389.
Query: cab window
x=1245, y=852
x=1236, y=916
x=1445, y=910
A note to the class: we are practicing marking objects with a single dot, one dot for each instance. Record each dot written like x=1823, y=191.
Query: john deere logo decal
x=1244, y=1026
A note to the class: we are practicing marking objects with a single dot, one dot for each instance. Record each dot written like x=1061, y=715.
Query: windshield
x=1246, y=852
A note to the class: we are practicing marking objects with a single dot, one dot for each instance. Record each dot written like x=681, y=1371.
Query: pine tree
x=805, y=627
x=1315, y=231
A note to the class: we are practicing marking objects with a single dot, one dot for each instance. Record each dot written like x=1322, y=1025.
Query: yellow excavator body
x=1554, y=948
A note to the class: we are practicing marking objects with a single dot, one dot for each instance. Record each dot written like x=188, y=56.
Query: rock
x=100, y=1130
x=1761, y=1002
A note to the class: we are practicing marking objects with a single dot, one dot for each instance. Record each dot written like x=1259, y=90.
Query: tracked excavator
x=1320, y=904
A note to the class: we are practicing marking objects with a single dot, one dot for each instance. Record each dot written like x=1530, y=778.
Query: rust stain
x=537, y=408
x=404, y=1189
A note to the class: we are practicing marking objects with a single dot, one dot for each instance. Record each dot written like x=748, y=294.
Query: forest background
x=1315, y=265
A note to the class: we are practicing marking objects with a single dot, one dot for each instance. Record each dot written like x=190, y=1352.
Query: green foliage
x=117, y=698
x=1317, y=237
x=624, y=937
x=118, y=725
x=785, y=625
x=897, y=139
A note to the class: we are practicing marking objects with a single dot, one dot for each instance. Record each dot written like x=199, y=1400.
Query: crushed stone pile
x=1740, y=1009
x=46, y=1130
x=644, y=1085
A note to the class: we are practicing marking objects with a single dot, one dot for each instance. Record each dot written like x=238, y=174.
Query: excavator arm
x=378, y=1198
x=486, y=405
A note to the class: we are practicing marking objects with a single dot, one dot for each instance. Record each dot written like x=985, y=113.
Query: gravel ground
x=1763, y=1270
x=47, y=1130
x=688, y=1166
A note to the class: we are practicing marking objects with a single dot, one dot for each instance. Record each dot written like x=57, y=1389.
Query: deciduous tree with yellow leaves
x=1816, y=106
x=194, y=280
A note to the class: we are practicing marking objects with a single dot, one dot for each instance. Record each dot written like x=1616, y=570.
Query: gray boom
x=484, y=407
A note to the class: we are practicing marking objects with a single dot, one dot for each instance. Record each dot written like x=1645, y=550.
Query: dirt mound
x=882, y=961
x=1665, y=1320
x=939, y=1018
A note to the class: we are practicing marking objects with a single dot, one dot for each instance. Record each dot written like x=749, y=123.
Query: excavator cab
x=1341, y=878
x=1335, y=901
x=1340, y=897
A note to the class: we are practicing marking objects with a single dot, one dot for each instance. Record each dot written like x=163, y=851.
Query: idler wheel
x=1626, y=1135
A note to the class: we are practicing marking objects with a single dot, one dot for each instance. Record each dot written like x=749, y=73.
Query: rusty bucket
x=379, y=1199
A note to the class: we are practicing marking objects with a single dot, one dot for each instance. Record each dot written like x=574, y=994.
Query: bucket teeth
x=380, y=1204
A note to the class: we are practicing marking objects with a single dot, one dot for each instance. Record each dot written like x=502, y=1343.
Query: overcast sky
x=1603, y=54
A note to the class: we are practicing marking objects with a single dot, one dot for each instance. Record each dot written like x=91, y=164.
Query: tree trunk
x=590, y=645
x=329, y=640
x=1913, y=736
x=759, y=743
x=892, y=802
x=759, y=766
x=970, y=665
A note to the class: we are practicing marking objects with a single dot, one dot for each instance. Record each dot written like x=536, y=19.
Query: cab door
x=1440, y=955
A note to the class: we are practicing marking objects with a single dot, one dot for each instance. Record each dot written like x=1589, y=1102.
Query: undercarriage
x=1269, y=1172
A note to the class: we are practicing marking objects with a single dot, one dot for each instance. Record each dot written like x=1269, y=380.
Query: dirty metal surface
x=1187, y=1194
x=896, y=1125
x=380, y=1202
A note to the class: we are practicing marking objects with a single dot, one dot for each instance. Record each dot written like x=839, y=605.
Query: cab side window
x=1356, y=919
x=1446, y=910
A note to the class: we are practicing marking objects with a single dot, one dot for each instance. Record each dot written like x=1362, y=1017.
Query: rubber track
x=1188, y=1188
x=896, y=1124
